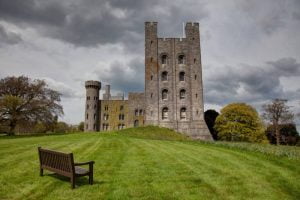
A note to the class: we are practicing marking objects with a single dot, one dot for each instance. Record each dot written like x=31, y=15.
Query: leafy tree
x=81, y=126
x=240, y=122
x=62, y=127
x=277, y=113
x=210, y=118
x=288, y=134
x=23, y=99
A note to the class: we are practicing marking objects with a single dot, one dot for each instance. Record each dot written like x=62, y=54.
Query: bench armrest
x=84, y=163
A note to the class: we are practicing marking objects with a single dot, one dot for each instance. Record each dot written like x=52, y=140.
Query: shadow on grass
x=79, y=180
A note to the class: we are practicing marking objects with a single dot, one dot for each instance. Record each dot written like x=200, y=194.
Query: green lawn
x=147, y=163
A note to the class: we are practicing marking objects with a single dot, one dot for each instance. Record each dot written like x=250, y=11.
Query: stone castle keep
x=173, y=95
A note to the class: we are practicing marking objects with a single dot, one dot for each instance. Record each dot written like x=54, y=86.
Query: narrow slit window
x=182, y=76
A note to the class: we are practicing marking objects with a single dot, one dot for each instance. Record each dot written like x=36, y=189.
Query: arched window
x=164, y=59
x=164, y=76
x=165, y=113
x=105, y=116
x=182, y=94
x=141, y=112
x=183, y=113
x=164, y=94
x=136, y=112
x=181, y=76
x=181, y=59
x=136, y=123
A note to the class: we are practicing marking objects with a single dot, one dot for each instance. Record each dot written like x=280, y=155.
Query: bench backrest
x=62, y=163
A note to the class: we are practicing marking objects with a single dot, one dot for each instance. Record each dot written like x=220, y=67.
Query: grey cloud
x=258, y=83
x=285, y=67
x=65, y=90
x=90, y=22
x=7, y=37
x=269, y=15
x=124, y=77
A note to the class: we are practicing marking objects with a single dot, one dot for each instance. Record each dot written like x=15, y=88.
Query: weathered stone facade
x=173, y=88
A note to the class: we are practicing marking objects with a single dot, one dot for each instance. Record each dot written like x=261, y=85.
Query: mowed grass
x=146, y=163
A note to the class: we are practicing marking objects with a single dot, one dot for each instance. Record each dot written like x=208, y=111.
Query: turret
x=92, y=106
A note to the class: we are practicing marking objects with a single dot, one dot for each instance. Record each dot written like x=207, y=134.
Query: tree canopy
x=240, y=122
x=25, y=100
x=276, y=113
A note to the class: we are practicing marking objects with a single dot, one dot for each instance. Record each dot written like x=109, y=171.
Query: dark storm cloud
x=269, y=15
x=124, y=77
x=251, y=83
x=90, y=22
x=7, y=37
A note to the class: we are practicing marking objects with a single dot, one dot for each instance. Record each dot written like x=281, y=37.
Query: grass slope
x=147, y=163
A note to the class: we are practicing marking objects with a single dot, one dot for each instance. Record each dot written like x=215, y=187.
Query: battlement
x=150, y=23
x=93, y=84
x=192, y=24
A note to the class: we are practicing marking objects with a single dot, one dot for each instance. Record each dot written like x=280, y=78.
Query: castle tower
x=173, y=82
x=92, y=106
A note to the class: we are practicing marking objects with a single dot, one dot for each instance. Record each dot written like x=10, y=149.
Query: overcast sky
x=250, y=49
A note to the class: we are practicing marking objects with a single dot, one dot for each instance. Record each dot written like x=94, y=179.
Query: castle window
x=141, y=112
x=197, y=112
x=87, y=116
x=105, y=126
x=87, y=106
x=136, y=112
x=106, y=107
x=196, y=95
x=151, y=59
x=136, y=123
x=121, y=107
x=164, y=59
x=181, y=59
x=182, y=94
x=195, y=60
x=183, y=113
x=151, y=77
x=105, y=116
x=95, y=116
x=164, y=76
x=121, y=117
x=151, y=95
x=195, y=77
x=165, y=113
x=164, y=94
x=95, y=106
x=121, y=126
x=88, y=98
x=181, y=76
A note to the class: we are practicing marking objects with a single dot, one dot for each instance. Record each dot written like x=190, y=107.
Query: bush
x=240, y=122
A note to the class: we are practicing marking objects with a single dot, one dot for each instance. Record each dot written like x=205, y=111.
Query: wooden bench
x=63, y=164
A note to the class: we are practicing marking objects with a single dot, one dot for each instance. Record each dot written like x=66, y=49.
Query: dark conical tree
x=210, y=118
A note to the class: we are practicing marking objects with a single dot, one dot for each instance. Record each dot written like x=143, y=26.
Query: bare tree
x=26, y=100
x=278, y=113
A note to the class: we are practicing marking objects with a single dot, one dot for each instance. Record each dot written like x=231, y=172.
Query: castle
x=173, y=95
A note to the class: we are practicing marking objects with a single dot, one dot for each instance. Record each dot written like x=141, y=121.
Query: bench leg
x=73, y=182
x=41, y=171
x=91, y=178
